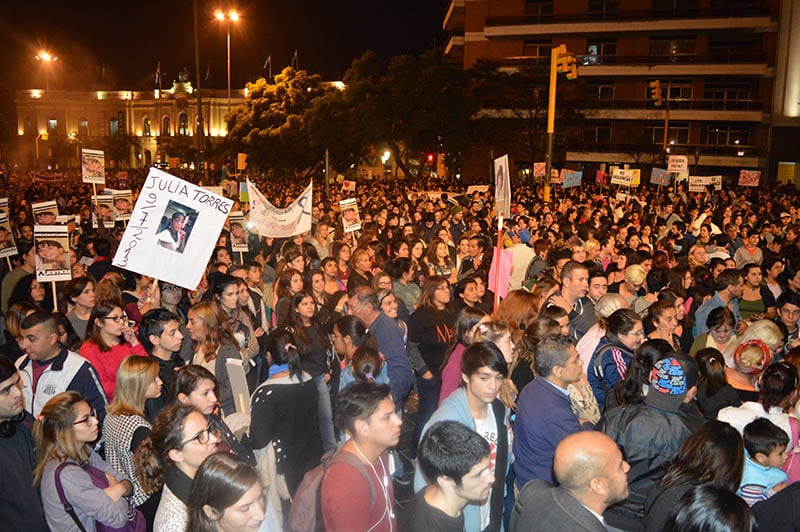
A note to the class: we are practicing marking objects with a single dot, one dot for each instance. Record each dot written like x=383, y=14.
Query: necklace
x=384, y=487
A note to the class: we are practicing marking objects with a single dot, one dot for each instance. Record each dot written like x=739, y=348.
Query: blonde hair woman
x=125, y=426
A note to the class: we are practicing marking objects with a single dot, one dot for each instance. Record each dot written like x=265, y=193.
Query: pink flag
x=505, y=272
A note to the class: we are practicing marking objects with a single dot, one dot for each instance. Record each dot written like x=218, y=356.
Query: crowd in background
x=663, y=324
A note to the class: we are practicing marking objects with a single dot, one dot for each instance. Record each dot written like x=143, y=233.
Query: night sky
x=115, y=44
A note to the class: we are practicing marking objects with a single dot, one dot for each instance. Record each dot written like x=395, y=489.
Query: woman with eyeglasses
x=624, y=335
x=180, y=441
x=125, y=426
x=195, y=386
x=109, y=339
x=64, y=432
x=227, y=496
x=284, y=439
x=213, y=344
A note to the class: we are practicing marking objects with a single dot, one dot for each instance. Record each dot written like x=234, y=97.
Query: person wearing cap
x=649, y=434
x=457, y=225
x=786, y=219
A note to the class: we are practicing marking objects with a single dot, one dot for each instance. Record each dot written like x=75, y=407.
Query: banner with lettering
x=271, y=221
x=172, y=231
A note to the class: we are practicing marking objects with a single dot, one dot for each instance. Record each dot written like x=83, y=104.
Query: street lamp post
x=229, y=17
x=46, y=58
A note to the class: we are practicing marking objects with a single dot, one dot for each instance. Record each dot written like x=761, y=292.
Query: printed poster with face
x=104, y=210
x=172, y=230
x=502, y=186
x=238, y=232
x=7, y=245
x=123, y=203
x=45, y=213
x=747, y=178
x=52, y=253
x=350, y=218
x=93, y=166
x=4, y=207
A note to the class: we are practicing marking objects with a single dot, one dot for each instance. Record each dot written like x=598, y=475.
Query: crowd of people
x=632, y=364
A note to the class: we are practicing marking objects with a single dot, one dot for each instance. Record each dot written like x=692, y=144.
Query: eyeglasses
x=91, y=415
x=640, y=332
x=117, y=319
x=201, y=437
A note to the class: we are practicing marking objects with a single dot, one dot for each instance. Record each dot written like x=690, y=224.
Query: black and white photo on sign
x=45, y=212
x=238, y=232
x=52, y=252
x=123, y=203
x=351, y=221
x=7, y=245
x=176, y=225
x=104, y=211
x=4, y=207
x=93, y=168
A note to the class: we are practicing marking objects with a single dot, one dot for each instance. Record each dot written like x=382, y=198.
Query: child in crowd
x=763, y=477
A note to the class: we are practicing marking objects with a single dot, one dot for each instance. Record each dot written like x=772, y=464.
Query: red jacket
x=107, y=362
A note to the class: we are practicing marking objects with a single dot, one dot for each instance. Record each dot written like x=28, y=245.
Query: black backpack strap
x=61, y=497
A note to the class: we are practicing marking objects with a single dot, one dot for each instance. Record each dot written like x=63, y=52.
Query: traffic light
x=655, y=93
x=430, y=158
x=567, y=62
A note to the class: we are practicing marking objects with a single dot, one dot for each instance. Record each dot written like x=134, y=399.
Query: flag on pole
x=158, y=74
x=294, y=62
x=268, y=62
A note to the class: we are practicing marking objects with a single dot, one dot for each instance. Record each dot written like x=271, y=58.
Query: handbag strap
x=61, y=497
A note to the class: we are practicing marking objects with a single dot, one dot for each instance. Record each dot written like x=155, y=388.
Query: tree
x=270, y=126
x=411, y=105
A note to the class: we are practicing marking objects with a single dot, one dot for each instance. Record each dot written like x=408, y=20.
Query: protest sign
x=93, y=166
x=749, y=178
x=123, y=203
x=677, y=163
x=351, y=221
x=699, y=183
x=172, y=231
x=621, y=177
x=539, y=169
x=600, y=177
x=477, y=188
x=621, y=196
x=244, y=195
x=105, y=208
x=45, y=213
x=555, y=177
x=636, y=177
x=571, y=178
x=4, y=206
x=271, y=221
x=241, y=161
x=52, y=253
x=174, y=162
x=348, y=185
x=7, y=245
x=659, y=176
x=238, y=232
x=502, y=187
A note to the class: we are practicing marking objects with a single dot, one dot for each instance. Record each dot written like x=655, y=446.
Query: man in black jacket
x=591, y=475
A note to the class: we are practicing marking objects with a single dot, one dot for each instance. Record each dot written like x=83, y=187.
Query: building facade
x=729, y=75
x=136, y=128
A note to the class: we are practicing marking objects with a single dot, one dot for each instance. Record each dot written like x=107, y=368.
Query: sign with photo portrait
x=93, y=166
x=52, y=253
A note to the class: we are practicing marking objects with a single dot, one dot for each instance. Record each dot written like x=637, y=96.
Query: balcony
x=679, y=20
x=455, y=17
x=710, y=154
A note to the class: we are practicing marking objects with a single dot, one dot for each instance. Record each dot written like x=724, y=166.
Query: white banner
x=172, y=231
x=271, y=221
x=502, y=187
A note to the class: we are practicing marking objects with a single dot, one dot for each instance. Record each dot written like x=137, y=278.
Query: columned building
x=729, y=73
x=136, y=128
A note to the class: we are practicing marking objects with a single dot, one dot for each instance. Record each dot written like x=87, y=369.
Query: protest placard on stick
x=93, y=167
x=7, y=245
x=238, y=232
x=52, y=253
x=172, y=231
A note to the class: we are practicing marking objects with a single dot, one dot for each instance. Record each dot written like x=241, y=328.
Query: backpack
x=305, y=514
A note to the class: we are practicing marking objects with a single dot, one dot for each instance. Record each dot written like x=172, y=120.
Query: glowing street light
x=47, y=59
x=229, y=17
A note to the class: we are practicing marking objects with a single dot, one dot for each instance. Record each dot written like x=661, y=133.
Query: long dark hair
x=221, y=480
x=101, y=312
x=713, y=454
x=711, y=364
x=629, y=390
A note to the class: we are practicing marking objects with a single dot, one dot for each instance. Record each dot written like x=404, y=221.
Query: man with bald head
x=591, y=475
